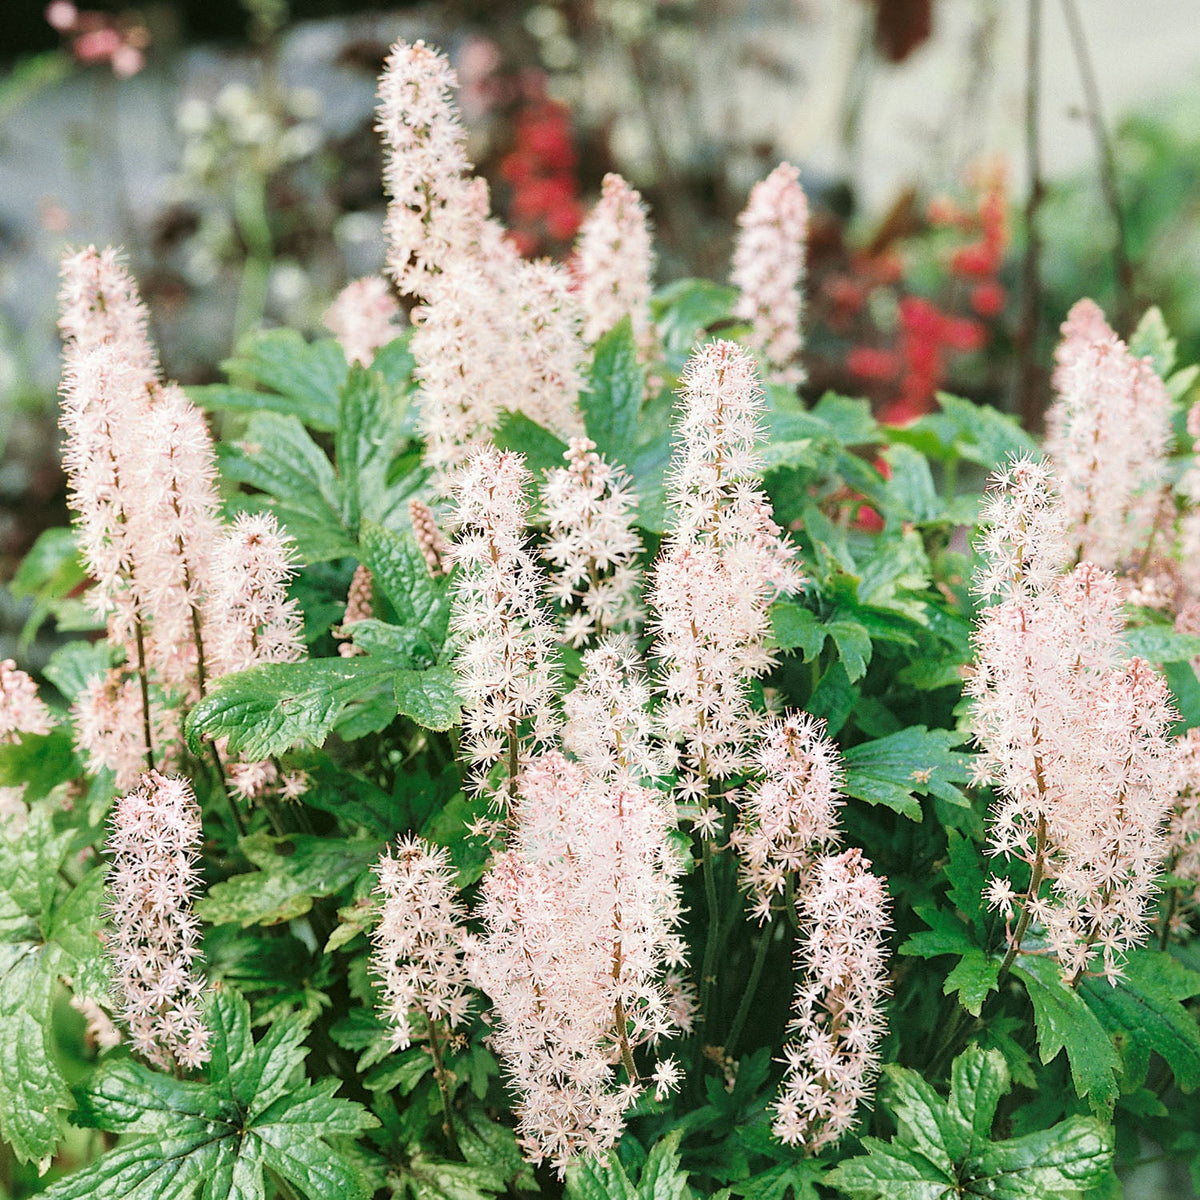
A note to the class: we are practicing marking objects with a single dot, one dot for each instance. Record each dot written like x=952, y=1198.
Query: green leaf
x=304, y=378
x=853, y=645
x=268, y=709
x=38, y=762
x=292, y=873
x=367, y=438
x=797, y=628
x=1161, y=644
x=401, y=575
x=683, y=310
x=49, y=573
x=911, y=495
x=1064, y=1021
x=607, y=1179
x=974, y=978
x=542, y=450
x=1143, y=1010
x=913, y=762
x=33, y=1093
x=1151, y=339
x=277, y=456
x=613, y=397
x=73, y=665
x=787, y=1181
x=943, y=1149
x=428, y=697
x=850, y=419
x=215, y=1140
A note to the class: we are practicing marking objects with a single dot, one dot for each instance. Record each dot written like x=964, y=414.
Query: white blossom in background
x=768, y=270
x=418, y=943
x=363, y=318
x=614, y=263
x=832, y=1056
x=154, y=936
x=592, y=545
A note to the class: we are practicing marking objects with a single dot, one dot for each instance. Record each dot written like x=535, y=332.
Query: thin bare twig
x=1108, y=166
x=1031, y=276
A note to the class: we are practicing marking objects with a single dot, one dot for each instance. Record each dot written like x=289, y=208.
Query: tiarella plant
x=534, y=752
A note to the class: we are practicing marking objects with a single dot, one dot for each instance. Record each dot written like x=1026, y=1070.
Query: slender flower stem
x=1035, y=884
x=1031, y=280
x=765, y=938
x=439, y=1073
x=144, y=684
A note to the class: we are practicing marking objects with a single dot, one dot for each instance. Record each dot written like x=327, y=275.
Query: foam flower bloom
x=418, y=943
x=154, y=938
x=789, y=815
x=724, y=561
x=592, y=547
x=505, y=664
x=580, y=914
x=1108, y=436
x=832, y=1058
x=1073, y=738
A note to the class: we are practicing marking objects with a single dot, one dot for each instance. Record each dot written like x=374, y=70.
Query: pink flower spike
x=154, y=942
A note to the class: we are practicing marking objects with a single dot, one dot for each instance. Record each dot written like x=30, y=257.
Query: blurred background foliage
x=229, y=146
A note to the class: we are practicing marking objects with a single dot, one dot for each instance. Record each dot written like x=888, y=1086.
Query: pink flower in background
x=362, y=318
x=768, y=270
x=614, y=263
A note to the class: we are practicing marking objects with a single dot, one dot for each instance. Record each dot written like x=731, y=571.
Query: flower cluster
x=431, y=543
x=21, y=711
x=492, y=333
x=154, y=940
x=789, y=815
x=360, y=606
x=256, y=622
x=768, y=269
x=1108, y=435
x=580, y=915
x=592, y=547
x=833, y=1057
x=419, y=941
x=505, y=662
x=614, y=263
x=1074, y=740
x=362, y=318
x=1182, y=859
x=724, y=561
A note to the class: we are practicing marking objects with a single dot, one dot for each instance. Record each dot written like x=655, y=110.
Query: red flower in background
x=928, y=331
x=544, y=206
